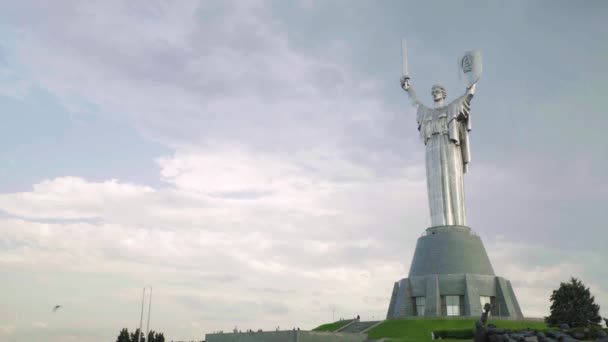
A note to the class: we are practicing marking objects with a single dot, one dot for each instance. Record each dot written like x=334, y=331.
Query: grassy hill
x=332, y=326
x=420, y=329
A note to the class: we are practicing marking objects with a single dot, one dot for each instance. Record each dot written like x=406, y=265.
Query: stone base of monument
x=451, y=276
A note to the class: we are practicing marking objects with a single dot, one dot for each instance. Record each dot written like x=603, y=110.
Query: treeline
x=125, y=336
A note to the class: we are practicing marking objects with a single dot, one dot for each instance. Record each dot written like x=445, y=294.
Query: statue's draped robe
x=445, y=132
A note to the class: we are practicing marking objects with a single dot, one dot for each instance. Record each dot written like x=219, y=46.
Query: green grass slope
x=332, y=326
x=420, y=329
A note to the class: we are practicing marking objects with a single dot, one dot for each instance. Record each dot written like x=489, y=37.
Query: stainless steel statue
x=444, y=129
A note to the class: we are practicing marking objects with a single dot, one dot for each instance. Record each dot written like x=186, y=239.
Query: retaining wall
x=286, y=336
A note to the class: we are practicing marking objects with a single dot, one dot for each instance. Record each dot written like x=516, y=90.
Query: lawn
x=332, y=326
x=408, y=330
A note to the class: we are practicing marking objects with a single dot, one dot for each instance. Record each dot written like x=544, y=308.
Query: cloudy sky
x=257, y=163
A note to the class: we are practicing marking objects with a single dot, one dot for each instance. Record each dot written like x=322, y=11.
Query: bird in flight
x=56, y=308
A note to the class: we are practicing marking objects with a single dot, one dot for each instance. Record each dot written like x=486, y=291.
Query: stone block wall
x=265, y=336
x=313, y=336
x=470, y=286
x=451, y=261
x=286, y=336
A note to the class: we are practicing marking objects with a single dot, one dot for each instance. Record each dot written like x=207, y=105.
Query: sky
x=258, y=165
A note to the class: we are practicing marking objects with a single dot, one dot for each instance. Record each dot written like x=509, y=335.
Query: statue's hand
x=471, y=89
x=405, y=83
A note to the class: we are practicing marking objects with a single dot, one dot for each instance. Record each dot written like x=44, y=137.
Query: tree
x=159, y=337
x=123, y=336
x=572, y=303
x=151, y=336
x=155, y=337
x=136, y=334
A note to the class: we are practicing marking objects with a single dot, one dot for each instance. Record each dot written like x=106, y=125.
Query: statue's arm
x=471, y=91
x=460, y=108
x=407, y=87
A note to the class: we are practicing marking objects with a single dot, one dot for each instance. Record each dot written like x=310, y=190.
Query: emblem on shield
x=466, y=64
x=470, y=66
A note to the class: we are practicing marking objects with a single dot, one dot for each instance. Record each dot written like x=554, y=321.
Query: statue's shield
x=470, y=66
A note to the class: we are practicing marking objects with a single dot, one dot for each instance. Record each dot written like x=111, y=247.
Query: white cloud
x=307, y=232
x=237, y=247
x=71, y=198
x=41, y=325
x=216, y=196
x=7, y=329
x=536, y=270
x=198, y=73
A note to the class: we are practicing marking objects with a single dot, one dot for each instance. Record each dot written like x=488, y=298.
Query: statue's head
x=439, y=93
x=487, y=307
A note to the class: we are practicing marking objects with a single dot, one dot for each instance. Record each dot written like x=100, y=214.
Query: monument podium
x=450, y=274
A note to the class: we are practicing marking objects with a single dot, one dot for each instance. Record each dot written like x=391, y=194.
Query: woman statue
x=445, y=132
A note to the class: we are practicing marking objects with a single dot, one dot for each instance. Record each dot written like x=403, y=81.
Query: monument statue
x=450, y=273
x=444, y=129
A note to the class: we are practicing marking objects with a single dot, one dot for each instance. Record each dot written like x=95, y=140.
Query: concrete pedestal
x=452, y=261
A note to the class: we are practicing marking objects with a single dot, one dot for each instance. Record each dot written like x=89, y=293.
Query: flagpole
x=149, y=308
x=141, y=317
